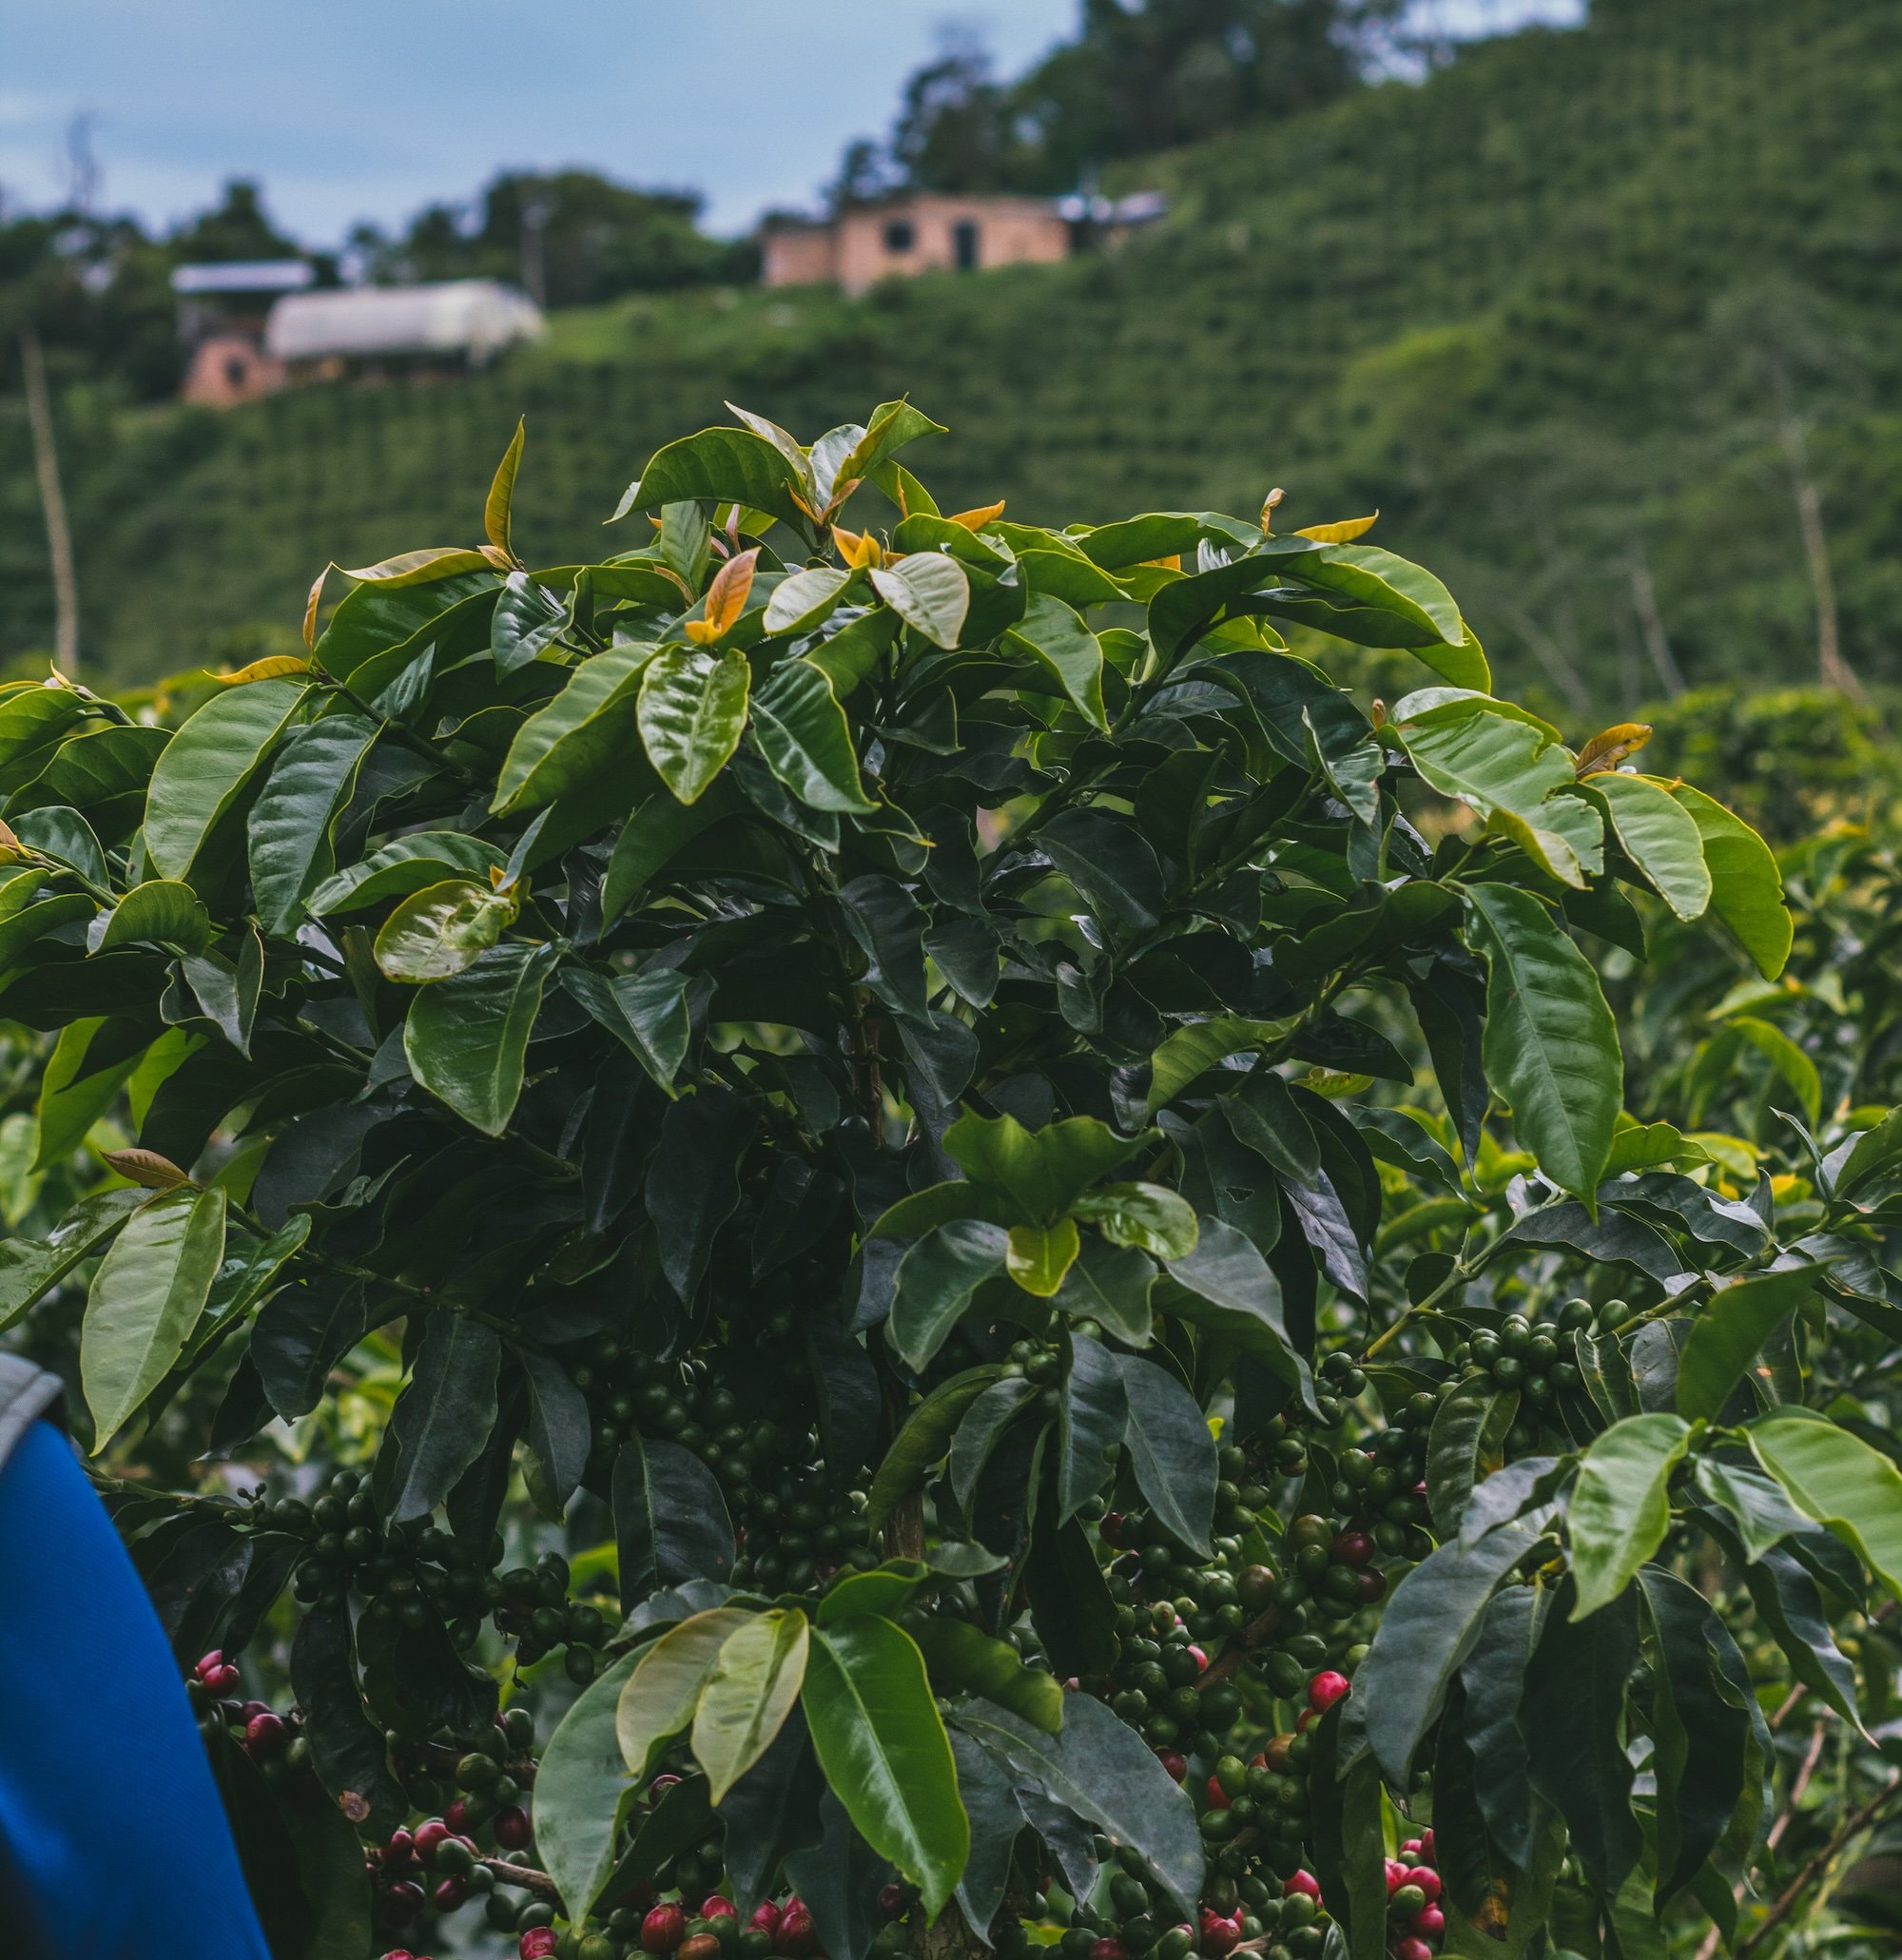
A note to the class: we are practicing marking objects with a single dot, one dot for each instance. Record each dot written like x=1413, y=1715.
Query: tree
x=779, y=1116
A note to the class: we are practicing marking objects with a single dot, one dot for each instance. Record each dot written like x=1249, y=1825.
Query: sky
x=350, y=109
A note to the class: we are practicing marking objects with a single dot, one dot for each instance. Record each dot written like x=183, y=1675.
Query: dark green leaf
x=466, y=1037
x=670, y=1521
x=442, y=1419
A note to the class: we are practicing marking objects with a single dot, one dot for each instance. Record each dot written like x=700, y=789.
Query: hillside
x=1520, y=307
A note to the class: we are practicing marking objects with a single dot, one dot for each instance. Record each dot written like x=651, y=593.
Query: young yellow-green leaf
x=748, y=1695
x=1043, y=1171
x=691, y=712
x=663, y=1692
x=1620, y=1507
x=1037, y=1256
x=807, y=741
x=930, y=591
x=882, y=1744
x=1840, y=1481
x=1550, y=1045
x=1746, y=886
x=162, y=911
x=145, y=1301
x=441, y=930
x=466, y=1037
x=1149, y=1217
x=577, y=736
x=498, y=513
x=805, y=598
x=580, y=1788
x=1661, y=837
x=206, y=767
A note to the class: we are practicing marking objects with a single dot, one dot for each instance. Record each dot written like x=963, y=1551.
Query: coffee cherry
x=538, y=1943
x=663, y=1930
x=703, y=1946
x=450, y=1892
x=1109, y=1949
x=1410, y=1949
x=1326, y=1689
x=795, y=1936
x=512, y=1826
x=430, y=1836
x=404, y=1900
x=1302, y=1883
x=265, y=1734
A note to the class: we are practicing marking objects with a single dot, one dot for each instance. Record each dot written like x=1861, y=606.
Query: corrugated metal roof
x=243, y=276
x=475, y=317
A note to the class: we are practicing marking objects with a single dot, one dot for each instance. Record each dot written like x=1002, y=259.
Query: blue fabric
x=114, y=1842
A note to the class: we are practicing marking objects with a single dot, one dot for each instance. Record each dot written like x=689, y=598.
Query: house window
x=964, y=245
x=900, y=235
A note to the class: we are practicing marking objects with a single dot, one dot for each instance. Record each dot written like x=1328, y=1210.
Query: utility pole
x=52, y=501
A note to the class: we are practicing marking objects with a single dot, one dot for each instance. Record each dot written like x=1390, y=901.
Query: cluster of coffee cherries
x=1534, y=1358
x=414, y=1573
x=1136, y=1922
x=631, y=1395
x=432, y=1866
x=275, y=1742
x=668, y=1930
x=1155, y=1685
x=798, y=1527
x=1415, y=1919
x=1254, y=1814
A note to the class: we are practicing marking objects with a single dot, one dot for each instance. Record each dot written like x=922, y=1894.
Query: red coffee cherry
x=512, y=1829
x=795, y=1936
x=1326, y=1689
x=1304, y=1882
x=663, y=1929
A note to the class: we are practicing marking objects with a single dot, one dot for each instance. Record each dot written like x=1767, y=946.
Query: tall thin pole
x=52, y=501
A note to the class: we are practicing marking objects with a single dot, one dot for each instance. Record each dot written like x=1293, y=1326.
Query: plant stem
x=1792, y=1892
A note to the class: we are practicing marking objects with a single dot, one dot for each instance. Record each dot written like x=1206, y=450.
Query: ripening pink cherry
x=1326, y=1689
x=1302, y=1881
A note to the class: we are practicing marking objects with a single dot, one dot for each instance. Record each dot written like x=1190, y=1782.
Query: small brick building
x=930, y=232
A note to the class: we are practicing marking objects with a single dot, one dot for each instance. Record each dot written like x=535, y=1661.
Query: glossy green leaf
x=1054, y=636
x=406, y=865
x=1746, y=886
x=722, y=466
x=1729, y=1333
x=1428, y=1628
x=581, y=732
x=804, y=598
x=691, y=713
x=930, y=591
x=663, y=1690
x=803, y=735
x=1620, y=1507
x=1797, y=1071
x=1172, y=1453
x=1149, y=1217
x=289, y=830
x=466, y=1037
x=442, y=930
x=1840, y=1481
x=442, y=1418
x=748, y=1695
x=1466, y=1443
x=670, y=1521
x=30, y=1268
x=1096, y=1415
x=648, y=1013
x=580, y=1788
x=881, y=1743
x=207, y=766
x=1191, y=1051
x=1101, y=1770
x=923, y=1440
x=145, y=1301
x=1037, y=1256
x=162, y=911
x=1551, y=1044
x=1044, y=1171
x=937, y=1279
x=1661, y=837
x=961, y=1655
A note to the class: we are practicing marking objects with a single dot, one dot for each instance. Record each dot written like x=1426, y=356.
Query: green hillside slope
x=1522, y=307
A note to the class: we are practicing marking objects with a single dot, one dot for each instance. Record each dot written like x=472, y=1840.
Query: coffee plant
x=852, y=1242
